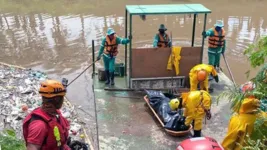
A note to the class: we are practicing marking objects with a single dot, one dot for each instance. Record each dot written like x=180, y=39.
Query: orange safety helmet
x=201, y=75
x=52, y=88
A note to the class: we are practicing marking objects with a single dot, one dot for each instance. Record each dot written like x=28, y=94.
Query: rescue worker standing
x=110, y=48
x=45, y=128
x=217, y=43
x=200, y=74
x=196, y=104
x=161, y=39
x=242, y=122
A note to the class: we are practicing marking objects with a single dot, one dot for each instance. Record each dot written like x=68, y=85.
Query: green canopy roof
x=167, y=9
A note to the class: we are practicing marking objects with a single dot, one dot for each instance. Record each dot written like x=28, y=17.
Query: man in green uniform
x=161, y=39
x=217, y=43
x=109, y=47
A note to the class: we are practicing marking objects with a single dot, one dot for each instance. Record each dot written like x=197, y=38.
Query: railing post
x=194, y=30
x=93, y=55
x=203, y=39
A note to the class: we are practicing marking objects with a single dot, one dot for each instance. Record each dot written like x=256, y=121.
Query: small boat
x=170, y=132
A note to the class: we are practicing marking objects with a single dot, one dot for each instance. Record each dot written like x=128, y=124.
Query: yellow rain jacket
x=195, y=104
x=174, y=59
x=193, y=76
x=242, y=123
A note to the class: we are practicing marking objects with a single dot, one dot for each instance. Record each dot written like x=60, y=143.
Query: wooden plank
x=152, y=62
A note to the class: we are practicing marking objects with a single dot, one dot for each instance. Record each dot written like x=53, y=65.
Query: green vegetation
x=257, y=54
x=9, y=141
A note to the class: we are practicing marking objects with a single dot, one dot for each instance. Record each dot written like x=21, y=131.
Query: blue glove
x=204, y=34
x=98, y=58
x=127, y=40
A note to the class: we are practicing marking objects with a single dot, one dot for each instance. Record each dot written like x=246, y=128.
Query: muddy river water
x=55, y=36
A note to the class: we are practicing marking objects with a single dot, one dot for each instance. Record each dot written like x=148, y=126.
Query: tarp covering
x=173, y=120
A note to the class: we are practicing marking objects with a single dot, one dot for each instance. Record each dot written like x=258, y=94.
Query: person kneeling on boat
x=242, y=122
x=175, y=119
x=110, y=48
x=197, y=104
x=199, y=74
x=45, y=128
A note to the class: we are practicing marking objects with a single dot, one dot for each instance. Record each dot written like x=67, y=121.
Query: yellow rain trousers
x=238, y=127
x=193, y=76
x=174, y=59
x=194, y=103
x=242, y=124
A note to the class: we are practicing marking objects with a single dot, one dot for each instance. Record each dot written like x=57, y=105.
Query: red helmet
x=200, y=143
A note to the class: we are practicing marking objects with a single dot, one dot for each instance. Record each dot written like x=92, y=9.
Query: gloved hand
x=216, y=78
x=208, y=114
x=98, y=58
x=127, y=40
x=204, y=34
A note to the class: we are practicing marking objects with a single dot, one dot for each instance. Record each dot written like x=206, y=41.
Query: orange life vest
x=162, y=42
x=217, y=40
x=111, y=47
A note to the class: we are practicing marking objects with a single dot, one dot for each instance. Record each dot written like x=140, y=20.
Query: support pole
x=130, y=49
x=126, y=35
x=194, y=29
x=96, y=121
x=203, y=39
x=93, y=55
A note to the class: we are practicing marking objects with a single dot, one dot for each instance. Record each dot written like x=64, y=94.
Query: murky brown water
x=61, y=44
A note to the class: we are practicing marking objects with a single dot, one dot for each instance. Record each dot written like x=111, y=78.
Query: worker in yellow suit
x=242, y=122
x=196, y=104
x=174, y=59
x=199, y=74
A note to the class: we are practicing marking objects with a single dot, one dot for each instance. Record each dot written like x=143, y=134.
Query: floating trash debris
x=19, y=96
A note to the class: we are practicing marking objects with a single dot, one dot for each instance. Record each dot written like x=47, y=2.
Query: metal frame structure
x=169, y=9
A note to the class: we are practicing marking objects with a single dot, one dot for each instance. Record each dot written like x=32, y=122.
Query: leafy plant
x=9, y=141
x=257, y=53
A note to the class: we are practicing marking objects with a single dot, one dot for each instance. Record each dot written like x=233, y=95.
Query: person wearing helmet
x=45, y=128
x=197, y=104
x=242, y=121
x=200, y=74
x=161, y=39
x=174, y=104
x=109, y=47
x=217, y=43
